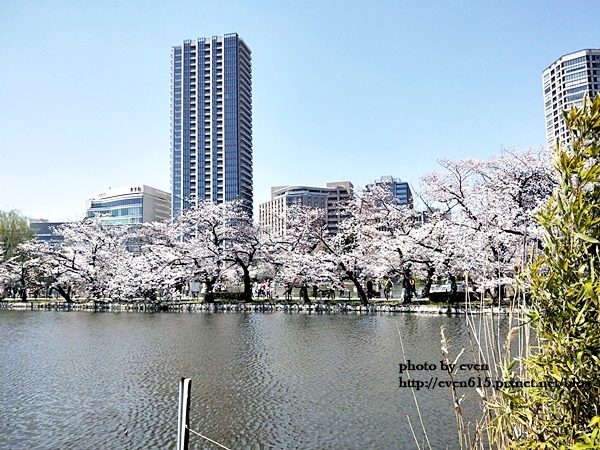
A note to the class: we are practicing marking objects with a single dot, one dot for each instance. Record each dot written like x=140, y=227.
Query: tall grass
x=559, y=408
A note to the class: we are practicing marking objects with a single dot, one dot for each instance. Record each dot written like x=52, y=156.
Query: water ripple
x=265, y=381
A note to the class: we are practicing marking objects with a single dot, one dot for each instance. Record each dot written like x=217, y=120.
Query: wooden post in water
x=183, y=422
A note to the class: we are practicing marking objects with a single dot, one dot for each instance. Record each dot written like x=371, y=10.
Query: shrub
x=565, y=312
x=229, y=296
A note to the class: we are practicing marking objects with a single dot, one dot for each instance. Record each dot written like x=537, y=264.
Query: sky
x=341, y=90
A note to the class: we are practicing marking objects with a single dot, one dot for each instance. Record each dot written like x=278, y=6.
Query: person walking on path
x=370, y=292
x=287, y=294
x=387, y=288
x=407, y=294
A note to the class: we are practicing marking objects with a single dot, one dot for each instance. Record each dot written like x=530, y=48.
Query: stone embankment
x=250, y=307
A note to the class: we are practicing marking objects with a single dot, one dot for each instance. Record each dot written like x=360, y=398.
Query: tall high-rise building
x=211, y=122
x=566, y=82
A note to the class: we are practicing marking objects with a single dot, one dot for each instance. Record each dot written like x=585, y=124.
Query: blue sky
x=341, y=90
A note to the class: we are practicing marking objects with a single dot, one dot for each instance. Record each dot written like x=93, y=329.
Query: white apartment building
x=565, y=83
x=130, y=205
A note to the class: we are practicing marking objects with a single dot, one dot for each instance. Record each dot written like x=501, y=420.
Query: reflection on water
x=283, y=381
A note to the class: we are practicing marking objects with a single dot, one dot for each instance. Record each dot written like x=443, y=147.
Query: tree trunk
x=247, y=283
x=209, y=294
x=427, y=288
x=304, y=293
x=23, y=288
x=361, y=292
x=453, y=289
x=63, y=294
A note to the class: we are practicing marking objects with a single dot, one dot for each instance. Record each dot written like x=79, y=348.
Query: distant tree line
x=475, y=220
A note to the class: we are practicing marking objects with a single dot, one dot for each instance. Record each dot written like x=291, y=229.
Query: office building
x=130, y=205
x=565, y=83
x=398, y=188
x=211, y=122
x=46, y=231
x=341, y=193
x=274, y=213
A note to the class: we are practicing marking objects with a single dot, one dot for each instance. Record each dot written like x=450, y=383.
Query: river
x=103, y=380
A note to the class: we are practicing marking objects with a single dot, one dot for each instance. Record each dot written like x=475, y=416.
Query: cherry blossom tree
x=15, y=266
x=245, y=243
x=3, y=271
x=353, y=251
x=22, y=271
x=491, y=205
x=91, y=257
x=195, y=246
x=477, y=218
x=297, y=256
x=204, y=243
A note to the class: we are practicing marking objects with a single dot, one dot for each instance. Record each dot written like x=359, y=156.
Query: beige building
x=273, y=214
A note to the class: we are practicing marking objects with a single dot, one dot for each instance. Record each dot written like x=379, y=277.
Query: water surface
x=85, y=380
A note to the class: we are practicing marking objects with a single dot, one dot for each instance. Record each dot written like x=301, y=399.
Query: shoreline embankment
x=265, y=307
